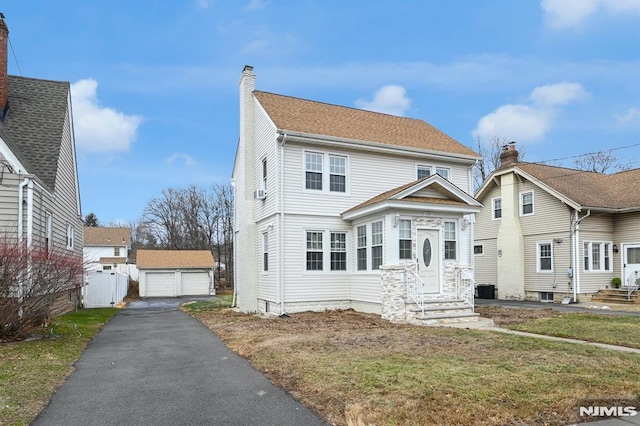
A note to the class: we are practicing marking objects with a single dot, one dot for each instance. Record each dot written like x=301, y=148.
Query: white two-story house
x=107, y=249
x=327, y=197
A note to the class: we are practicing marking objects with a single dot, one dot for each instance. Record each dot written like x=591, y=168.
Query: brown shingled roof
x=150, y=259
x=589, y=189
x=106, y=236
x=304, y=116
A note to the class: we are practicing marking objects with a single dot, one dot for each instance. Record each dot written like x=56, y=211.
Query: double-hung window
x=376, y=245
x=314, y=251
x=337, y=173
x=313, y=170
x=404, y=228
x=338, y=251
x=265, y=252
x=423, y=171
x=497, y=208
x=362, y=247
x=264, y=175
x=597, y=256
x=545, y=257
x=116, y=251
x=450, y=240
x=443, y=171
x=69, y=237
x=526, y=203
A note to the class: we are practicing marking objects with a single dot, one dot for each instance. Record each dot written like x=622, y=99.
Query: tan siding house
x=326, y=196
x=39, y=191
x=568, y=233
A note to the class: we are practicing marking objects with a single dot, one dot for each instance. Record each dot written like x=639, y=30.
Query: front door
x=428, y=267
x=631, y=269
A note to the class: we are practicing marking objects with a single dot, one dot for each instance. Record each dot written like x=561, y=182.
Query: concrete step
x=613, y=299
x=432, y=307
x=446, y=316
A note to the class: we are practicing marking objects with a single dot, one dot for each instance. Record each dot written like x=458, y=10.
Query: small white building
x=107, y=249
x=173, y=273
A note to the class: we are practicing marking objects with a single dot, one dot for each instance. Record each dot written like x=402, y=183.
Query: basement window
x=546, y=296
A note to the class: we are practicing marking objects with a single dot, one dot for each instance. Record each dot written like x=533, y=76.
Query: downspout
x=30, y=213
x=281, y=233
x=576, y=247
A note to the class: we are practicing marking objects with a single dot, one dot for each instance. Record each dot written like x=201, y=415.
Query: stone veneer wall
x=393, y=293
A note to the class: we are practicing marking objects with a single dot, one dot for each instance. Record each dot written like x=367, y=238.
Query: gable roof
x=408, y=196
x=105, y=236
x=33, y=128
x=316, y=118
x=157, y=259
x=618, y=191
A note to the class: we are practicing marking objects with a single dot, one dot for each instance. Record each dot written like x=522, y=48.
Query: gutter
x=576, y=247
x=281, y=230
x=24, y=183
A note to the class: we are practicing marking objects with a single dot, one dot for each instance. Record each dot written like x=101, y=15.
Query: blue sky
x=155, y=83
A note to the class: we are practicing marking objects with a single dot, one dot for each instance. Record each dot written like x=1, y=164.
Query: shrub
x=616, y=282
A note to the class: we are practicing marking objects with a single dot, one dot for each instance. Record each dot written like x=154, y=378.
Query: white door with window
x=631, y=269
x=428, y=266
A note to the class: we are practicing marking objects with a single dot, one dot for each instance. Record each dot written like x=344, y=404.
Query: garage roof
x=159, y=259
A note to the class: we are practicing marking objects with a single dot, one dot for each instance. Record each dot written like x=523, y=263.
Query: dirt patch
x=503, y=316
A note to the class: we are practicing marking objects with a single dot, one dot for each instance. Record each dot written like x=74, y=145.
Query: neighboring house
x=548, y=232
x=328, y=196
x=107, y=249
x=39, y=192
x=171, y=273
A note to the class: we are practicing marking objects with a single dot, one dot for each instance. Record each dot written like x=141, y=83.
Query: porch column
x=393, y=293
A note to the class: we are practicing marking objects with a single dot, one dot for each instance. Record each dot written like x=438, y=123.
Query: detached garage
x=171, y=273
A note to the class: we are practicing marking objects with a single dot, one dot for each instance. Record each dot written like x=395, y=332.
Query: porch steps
x=438, y=311
x=616, y=296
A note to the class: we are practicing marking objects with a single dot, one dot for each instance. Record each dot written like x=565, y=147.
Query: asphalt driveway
x=153, y=364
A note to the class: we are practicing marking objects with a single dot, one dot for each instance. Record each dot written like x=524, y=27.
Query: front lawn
x=355, y=368
x=30, y=371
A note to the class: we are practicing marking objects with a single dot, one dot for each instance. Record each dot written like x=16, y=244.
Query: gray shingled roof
x=34, y=125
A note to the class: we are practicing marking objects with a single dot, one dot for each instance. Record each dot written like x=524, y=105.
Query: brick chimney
x=509, y=154
x=4, y=38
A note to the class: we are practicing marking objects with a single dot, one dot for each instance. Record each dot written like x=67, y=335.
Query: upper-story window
x=443, y=171
x=423, y=171
x=116, y=251
x=325, y=171
x=264, y=175
x=497, y=208
x=526, y=203
x=337, y=173
x=313, y=170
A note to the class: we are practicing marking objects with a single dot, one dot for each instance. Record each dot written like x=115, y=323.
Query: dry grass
x=357, y=369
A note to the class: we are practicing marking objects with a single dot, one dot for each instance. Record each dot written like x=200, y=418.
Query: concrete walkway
x=153, y=364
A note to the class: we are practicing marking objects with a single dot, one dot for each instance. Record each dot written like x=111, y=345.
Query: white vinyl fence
x=104, y=289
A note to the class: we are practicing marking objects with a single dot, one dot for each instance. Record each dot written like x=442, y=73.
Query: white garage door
x=160, y=284
x=195, y=283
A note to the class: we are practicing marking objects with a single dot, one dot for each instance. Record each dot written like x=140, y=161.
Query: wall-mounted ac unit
x=259, y=194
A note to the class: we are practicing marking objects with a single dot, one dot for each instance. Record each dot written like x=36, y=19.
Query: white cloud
x=254, y=5
x=561, y=14
x=558, y=94
x=100, y=129
x=204, y=4
x=529, y=123
x=631, y=116
x=178, y=156
x=390, y=99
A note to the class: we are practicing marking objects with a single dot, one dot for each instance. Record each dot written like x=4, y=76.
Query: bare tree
x=600, y=162
x=490, y=153
x=30, y=280
x=141, y=238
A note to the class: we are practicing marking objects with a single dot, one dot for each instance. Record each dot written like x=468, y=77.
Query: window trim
x=265, y=253
x=345, y=251
x=48, y=230
x=493, y=208
x=307, y=251
x=423, y=166
x=448, y=169
x=381, y=244
x=70, y=237
x=455, y=240
x=326, y=173
x=116, y=252
x=362, y=248
x=533, y=210
x=539, y=258
x=606, y=252
x=264, y=174
x=400, y=239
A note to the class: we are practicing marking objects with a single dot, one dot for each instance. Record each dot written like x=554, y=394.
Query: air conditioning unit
x=259, y=194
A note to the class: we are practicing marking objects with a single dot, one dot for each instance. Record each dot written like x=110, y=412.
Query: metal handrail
x=465, y=285
x=414, y=284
